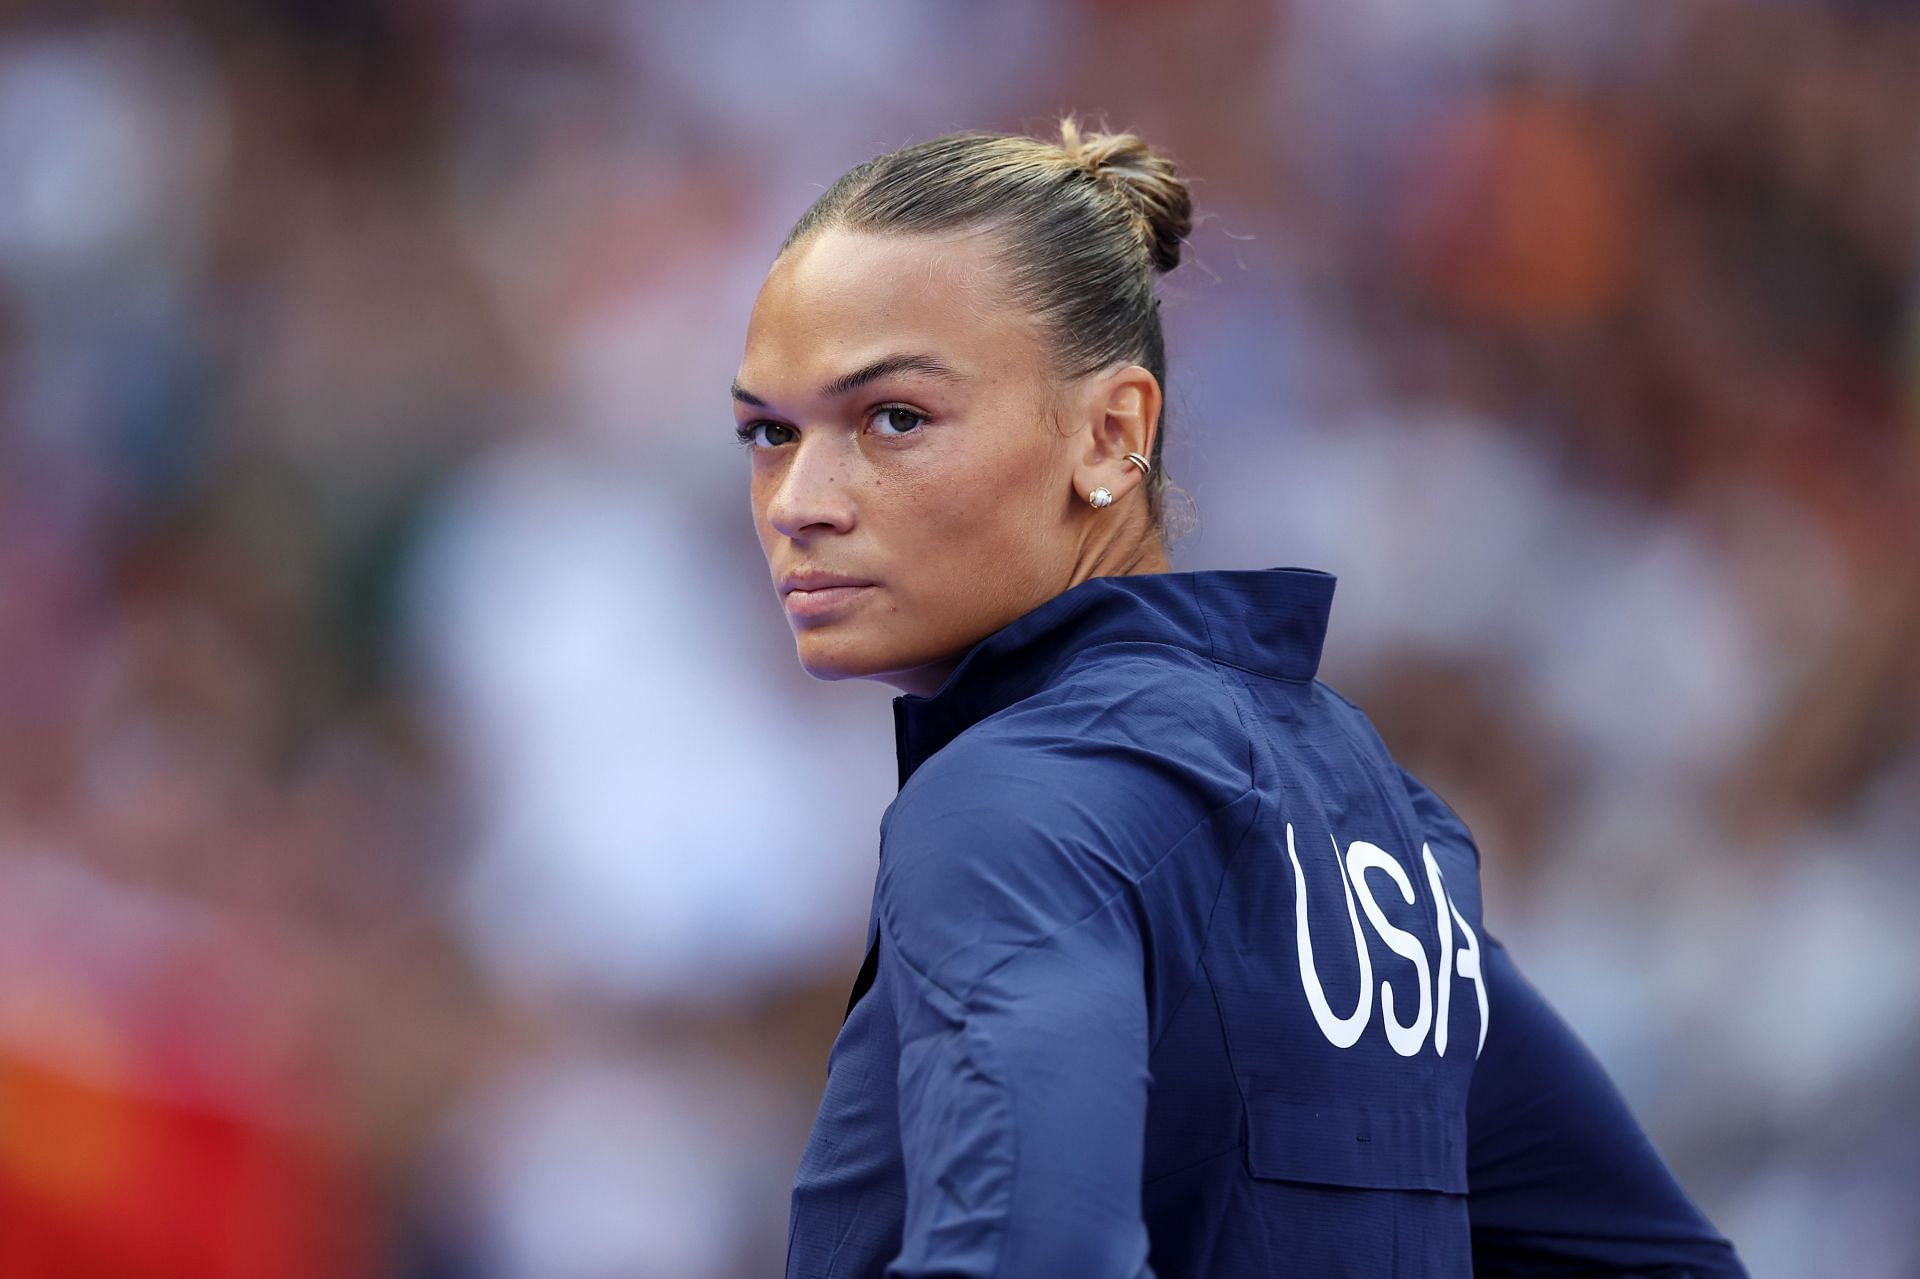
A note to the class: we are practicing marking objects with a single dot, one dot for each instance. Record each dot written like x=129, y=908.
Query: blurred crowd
x=420, y=855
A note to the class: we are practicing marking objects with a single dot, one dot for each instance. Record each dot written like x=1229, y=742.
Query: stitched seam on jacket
x=1226, y=867
x=1159, y=1177
x=1213, y=908
x=1210, y=656
x=1234, y=695
x=970, y=1034
x=1248, y=670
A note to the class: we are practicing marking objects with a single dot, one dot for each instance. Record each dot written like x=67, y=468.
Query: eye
x=765, y=435
x=893, y=420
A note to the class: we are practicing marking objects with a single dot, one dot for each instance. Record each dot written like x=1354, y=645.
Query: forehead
x=839, y=298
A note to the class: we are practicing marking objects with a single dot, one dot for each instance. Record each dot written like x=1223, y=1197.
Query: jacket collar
x=1269, y=621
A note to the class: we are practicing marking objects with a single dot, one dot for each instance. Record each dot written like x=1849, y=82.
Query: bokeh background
x=419, y=853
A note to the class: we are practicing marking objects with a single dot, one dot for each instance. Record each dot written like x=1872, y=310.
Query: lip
x=817, y=596
x=818, y=582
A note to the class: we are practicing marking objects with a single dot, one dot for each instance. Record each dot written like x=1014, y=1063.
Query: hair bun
x=1145, y=179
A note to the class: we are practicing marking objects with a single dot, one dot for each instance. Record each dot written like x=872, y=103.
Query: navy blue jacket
x=1172, y=971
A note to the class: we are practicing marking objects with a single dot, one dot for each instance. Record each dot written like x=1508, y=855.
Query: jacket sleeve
x=1561, y=1179
x=1012, y=953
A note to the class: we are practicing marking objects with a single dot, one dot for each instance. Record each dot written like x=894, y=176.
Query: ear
x=1119, y=414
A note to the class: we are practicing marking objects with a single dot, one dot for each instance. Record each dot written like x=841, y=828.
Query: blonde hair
x=1087, y=223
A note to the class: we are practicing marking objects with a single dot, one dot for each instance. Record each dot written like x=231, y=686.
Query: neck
x=1149, y=557
x=1143, y=554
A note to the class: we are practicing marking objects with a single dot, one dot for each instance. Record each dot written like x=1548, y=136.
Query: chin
x=834, y=657
x=828, y=656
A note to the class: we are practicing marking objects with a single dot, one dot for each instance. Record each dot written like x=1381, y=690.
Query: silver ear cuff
x=1146, y=467
x=1100, y=497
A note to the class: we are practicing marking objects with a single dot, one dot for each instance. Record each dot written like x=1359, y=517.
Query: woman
x=1171, y=970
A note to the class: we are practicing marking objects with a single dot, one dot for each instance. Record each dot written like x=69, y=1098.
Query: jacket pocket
x=1346, y=1142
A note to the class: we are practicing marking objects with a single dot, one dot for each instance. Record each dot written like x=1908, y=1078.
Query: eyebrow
x=930, y=365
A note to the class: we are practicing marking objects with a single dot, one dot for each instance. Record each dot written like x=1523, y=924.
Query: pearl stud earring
x=1100, y=497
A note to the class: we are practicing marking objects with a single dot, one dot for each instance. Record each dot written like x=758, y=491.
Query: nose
x=811, y=495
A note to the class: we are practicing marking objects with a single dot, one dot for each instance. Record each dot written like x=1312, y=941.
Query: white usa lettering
x=1436, y=990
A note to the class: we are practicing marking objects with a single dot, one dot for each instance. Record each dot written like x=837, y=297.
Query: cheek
x=759, y=490
x=983, y=515
x=936, y=507
x=763, y=489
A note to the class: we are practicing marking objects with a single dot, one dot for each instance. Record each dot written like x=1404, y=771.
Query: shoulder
x=1436, y=826
x=1126, y=714
x=1039, y=815
x=1453, y=847
x=1126, y=751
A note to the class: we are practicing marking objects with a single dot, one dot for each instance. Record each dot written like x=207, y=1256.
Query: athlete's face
x=910, y=440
